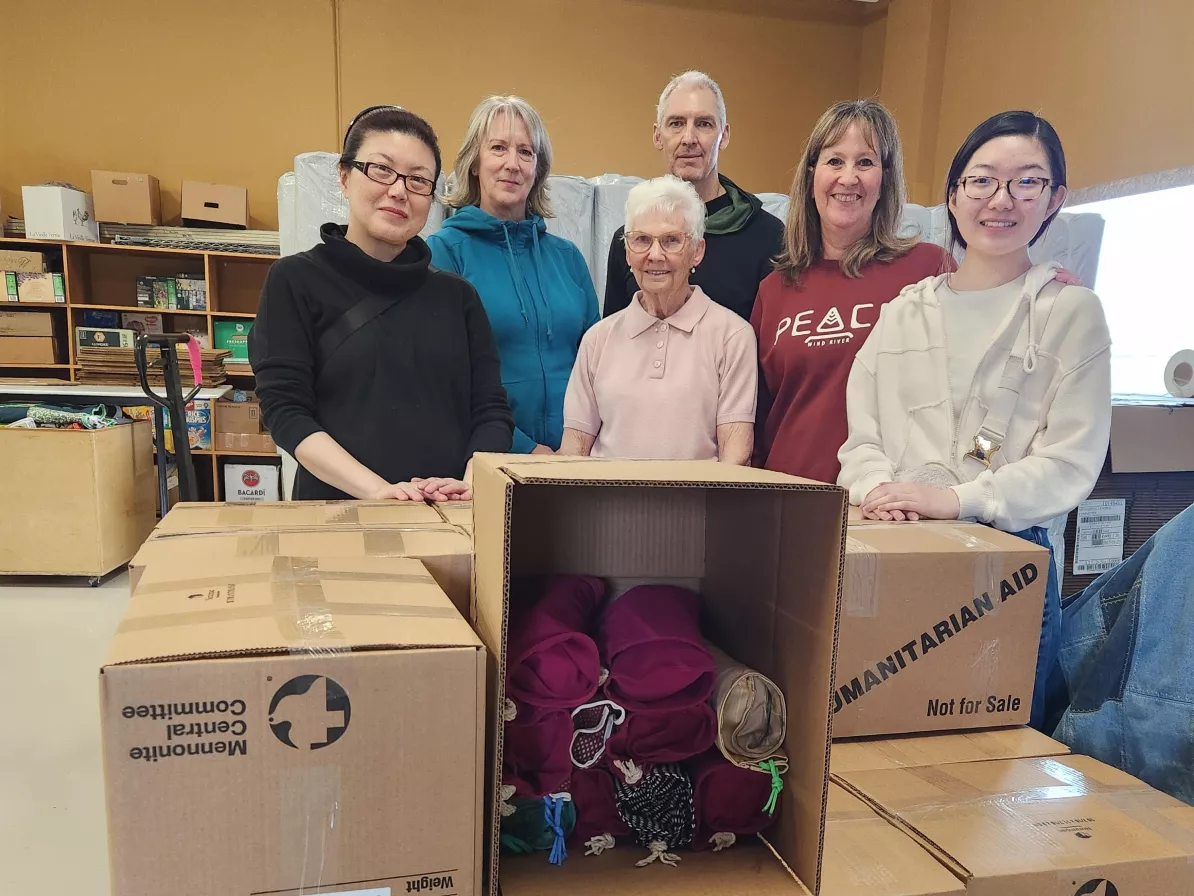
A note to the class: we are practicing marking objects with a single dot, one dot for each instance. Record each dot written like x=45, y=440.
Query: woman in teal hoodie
x=535, y=286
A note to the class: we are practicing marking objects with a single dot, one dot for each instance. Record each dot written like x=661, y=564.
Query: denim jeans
x=1125, y=663
x=1046, y=657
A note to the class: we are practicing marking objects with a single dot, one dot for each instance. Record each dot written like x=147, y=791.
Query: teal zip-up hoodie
x=537, y=291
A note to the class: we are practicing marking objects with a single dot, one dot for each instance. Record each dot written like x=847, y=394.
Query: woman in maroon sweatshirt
x=842, y=261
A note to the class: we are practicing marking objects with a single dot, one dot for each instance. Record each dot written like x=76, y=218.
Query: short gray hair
x=466, y=189
x=692, y=79
x=670, y=196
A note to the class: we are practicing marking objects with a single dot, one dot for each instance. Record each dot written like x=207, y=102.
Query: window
x=1146, y=282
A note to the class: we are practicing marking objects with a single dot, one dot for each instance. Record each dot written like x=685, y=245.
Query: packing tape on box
x=862, y=578
x=374, y=542
x=309, y=825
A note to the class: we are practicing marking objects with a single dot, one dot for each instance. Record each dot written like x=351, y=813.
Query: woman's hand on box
x=399, y=491
x=440, y=489
x=900, y=501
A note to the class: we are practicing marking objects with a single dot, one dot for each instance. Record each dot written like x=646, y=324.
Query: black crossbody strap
x=347, y=324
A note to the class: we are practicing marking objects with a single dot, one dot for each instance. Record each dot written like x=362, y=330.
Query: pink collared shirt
x=650, y=388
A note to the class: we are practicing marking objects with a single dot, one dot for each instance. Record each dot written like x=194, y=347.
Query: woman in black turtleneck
x=391, y=398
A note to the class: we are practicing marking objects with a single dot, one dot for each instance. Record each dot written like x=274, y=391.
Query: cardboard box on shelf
x=214, y=205
x=251, y=483
x=1061, y=826
x=918, y=750
x=939, y=630
x=250, y=443
x=141, y=322
x=1152, y=438
x=22, y=261
x=59, y=213
x=124, y=198
x=238, y=417
x=233, y=336
x=42, y=289
x=28, y=350
x=87, y=496
x=445, y=552
x=26, y=323
x=91, y=337
x=294, y=754
x=766, y=550
x=865, y=855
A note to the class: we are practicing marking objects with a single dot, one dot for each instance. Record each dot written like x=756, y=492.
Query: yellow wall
x=229, y=91
x=1115, y=77
x=870, y=66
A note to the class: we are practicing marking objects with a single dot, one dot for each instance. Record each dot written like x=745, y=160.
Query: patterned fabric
x=593, y=724
x=659, y=808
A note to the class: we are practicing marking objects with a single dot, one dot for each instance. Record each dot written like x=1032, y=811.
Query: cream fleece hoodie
x=902, y=421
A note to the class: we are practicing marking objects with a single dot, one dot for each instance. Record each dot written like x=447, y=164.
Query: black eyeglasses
x=979, y=186
x=384, y=174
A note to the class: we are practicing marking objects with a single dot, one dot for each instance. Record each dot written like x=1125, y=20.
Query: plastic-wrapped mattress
x=286, y=220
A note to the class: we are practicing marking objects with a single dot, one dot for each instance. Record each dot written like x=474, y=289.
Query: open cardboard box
x=766, y=550
x=917, y=751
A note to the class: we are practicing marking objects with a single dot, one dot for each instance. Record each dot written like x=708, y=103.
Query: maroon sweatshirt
x=808, y=336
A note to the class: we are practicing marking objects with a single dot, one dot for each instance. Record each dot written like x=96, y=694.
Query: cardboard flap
x=748, y=869
x=935, y=537
x=206, y=516
x=914, y=751
x=1022, y=816
x=261, y=605
x=582, y=470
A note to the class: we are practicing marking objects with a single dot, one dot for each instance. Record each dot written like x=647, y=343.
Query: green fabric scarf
x=734, y=216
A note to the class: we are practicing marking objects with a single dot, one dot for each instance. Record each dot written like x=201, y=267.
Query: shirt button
x=658, y=363
x=659, y=345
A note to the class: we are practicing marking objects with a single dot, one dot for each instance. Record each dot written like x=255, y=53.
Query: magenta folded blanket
x=728, y=799
x=551, y=658
x=651, y=738
x=595, y=799
x=535, y=759
x=650, y=640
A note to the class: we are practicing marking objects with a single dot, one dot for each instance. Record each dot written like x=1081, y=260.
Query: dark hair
x=388, y=120
x=1007, y=124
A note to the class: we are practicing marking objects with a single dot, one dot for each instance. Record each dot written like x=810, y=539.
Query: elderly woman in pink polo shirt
x=674, y=375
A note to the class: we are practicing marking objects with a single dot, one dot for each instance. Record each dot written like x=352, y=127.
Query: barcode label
x=1099, y=544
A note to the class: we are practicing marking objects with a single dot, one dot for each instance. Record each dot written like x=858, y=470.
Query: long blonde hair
x=467, y=188
x=802, y=231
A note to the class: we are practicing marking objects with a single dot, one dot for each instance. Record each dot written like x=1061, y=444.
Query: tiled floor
x=52, y=640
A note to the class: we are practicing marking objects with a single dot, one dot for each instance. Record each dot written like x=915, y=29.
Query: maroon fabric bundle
x=535, y=758
x=727, y=798
x=595, y=798
x=551, y=659
x=650, y=641
x=651, y=738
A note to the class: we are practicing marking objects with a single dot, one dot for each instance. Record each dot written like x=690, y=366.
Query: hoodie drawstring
x=1037, y=279
x=539, y=269
x=514, y=275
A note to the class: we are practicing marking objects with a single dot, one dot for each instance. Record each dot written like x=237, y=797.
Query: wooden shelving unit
x=103, y=277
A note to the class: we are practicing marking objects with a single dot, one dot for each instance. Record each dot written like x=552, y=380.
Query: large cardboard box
x=77, y=502
x=765, y=549
x=447, y=554
x=26, y=323
x=283, y=725
x=1152, y=438
x=866, y=855
x=59, y=213
x=458, y=514
x=214, y=205
x=28, y=350
x=940, y=627
x=1063, y=826
x=126, y=198
x=918, y=750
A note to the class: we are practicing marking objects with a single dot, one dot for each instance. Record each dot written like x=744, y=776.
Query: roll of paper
x=1179, y=374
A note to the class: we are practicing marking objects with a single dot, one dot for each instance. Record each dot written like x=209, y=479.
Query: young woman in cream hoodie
x=986, y=394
